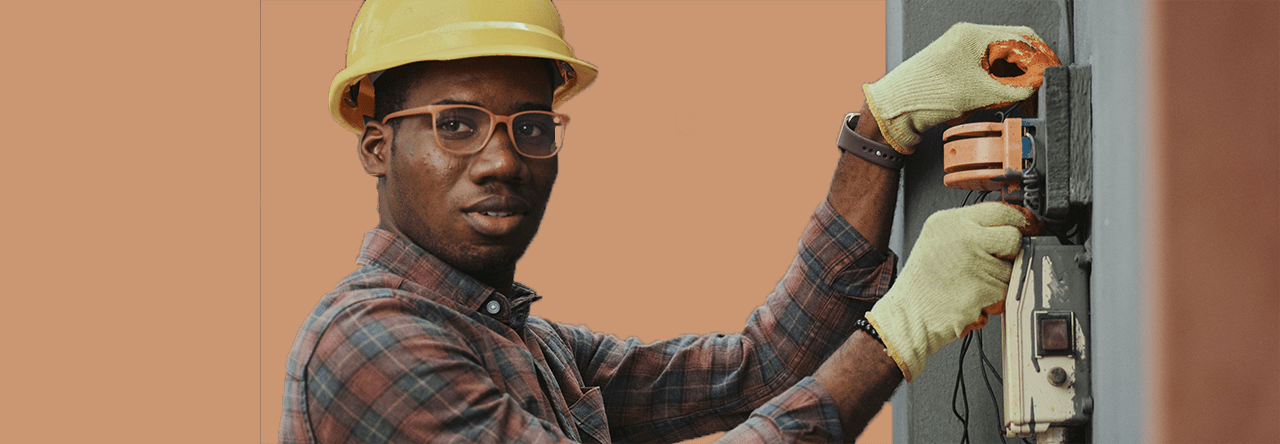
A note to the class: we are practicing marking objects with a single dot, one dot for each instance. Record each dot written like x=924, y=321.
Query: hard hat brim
x=352, y=118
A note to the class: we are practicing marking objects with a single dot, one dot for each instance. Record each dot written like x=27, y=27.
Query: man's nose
x=498, y=160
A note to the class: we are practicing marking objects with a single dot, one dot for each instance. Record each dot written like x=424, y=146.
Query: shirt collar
x=442, y=282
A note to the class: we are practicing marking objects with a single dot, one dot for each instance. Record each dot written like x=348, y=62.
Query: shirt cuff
x=847, y=262
x=804, y=413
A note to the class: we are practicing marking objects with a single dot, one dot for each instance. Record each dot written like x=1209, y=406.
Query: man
x=431, y=338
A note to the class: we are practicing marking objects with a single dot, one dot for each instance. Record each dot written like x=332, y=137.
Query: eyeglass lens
x=464, y=129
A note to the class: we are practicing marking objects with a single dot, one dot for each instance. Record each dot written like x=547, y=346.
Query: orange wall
x=177, y=197
x=1215, y=203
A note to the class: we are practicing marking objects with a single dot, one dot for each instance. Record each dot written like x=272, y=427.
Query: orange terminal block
x=985, y=156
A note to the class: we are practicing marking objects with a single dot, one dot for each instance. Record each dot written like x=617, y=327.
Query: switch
x=1055, y=332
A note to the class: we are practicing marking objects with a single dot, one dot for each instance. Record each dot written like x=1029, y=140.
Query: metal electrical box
x=1047, y=383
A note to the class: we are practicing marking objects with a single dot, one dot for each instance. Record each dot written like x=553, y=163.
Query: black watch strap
x=878, y=153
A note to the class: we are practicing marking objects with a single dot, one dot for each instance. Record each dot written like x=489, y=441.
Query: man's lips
x=500, y=204
x=497, y=215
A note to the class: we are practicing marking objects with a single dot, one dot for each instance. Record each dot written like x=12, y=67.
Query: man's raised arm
x=956, y=268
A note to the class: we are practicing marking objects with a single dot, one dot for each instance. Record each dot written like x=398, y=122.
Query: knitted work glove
x=969, y=67
x=955, y=271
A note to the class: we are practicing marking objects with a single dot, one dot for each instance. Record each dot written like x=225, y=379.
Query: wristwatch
x=875, y=152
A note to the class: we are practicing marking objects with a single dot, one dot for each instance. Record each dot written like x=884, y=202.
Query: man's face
x=477, y=212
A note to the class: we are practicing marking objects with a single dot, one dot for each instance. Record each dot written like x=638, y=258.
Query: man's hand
x=967, y=68
x=956, y=269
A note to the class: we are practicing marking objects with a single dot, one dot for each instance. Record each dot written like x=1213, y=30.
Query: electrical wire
x=1004, y=113
x=982, y=353
x=985, y=364
x=959, y=391
x=962, y=391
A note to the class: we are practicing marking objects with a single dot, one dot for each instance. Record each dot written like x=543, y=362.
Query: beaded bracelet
x=866, y=326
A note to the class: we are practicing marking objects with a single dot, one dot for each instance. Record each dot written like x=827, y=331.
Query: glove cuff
x=901, y=142
x=897, y=342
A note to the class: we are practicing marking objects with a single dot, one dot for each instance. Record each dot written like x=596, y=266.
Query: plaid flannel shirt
x=407, y=349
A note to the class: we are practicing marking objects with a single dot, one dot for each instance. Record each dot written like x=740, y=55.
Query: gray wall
x=1106, y=35
x=1110, y=36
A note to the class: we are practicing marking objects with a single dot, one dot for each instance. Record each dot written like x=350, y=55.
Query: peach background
x=177, y=197
x=130, y=216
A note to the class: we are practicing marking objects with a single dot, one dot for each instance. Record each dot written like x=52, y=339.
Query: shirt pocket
x=588, y=415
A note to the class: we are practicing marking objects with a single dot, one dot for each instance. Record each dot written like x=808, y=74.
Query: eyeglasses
x=466, y=129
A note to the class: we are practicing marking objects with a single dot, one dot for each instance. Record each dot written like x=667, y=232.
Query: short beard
x=482, y=267
x=484, y=263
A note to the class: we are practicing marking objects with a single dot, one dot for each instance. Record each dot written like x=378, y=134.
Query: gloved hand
x=959, y=265
x=969, y=67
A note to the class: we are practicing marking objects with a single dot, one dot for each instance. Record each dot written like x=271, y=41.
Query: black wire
x=982, y=197
x=983, y=354
x=962, y=391
x=994, y=372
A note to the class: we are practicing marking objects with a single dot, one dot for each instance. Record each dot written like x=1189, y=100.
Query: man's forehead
x=479, y=78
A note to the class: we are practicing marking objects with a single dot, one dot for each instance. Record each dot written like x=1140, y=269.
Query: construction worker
x=430, y=339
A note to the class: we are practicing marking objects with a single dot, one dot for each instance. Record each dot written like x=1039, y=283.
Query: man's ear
x=374, y=148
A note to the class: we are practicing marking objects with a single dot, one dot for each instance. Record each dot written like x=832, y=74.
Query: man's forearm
x=860, y=377
x=865, y=193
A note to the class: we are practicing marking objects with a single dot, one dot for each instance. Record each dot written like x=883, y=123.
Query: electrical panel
x=1042, y=163
x=1046, y=342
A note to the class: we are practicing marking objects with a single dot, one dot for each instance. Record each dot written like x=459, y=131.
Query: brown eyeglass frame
x=493, y=126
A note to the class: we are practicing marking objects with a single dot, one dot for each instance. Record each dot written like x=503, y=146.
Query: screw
x=1057, y=376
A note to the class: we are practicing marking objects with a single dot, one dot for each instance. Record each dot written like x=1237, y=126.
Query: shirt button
x=493, y=307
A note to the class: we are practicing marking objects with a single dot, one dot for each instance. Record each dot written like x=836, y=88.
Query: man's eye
x=530, y=130
x=454, y=126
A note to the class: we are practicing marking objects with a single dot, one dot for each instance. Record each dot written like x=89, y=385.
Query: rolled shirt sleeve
x=694, y=385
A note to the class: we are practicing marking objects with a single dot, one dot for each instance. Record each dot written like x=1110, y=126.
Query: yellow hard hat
x=390, y=33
